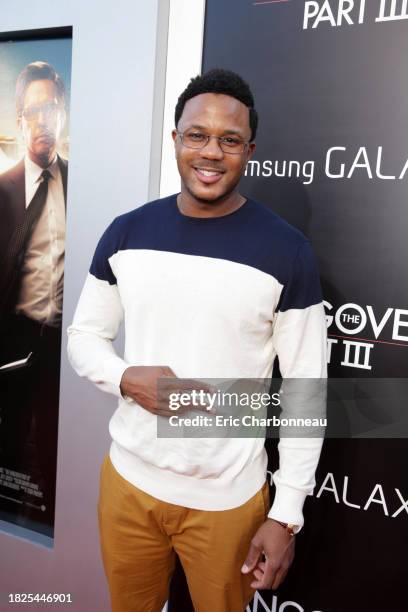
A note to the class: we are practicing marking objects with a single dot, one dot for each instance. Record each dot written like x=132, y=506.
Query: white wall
x=113, y=69
x=184, y=56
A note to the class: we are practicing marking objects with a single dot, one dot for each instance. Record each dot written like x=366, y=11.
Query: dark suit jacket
x=12, y=210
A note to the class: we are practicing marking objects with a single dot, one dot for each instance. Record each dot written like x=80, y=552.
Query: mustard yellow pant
x=141, y=534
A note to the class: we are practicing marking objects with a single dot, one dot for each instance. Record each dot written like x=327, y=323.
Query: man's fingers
x=168, y=381
x=186, y=404
x=268, y=576
x=167, y=371
x=164, y=411
x=169, y=385
x=191, y=384
x=279, y=578
x=252, y=558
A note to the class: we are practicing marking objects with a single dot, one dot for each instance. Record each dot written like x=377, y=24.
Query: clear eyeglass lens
x=197, y=140
x=32, y=112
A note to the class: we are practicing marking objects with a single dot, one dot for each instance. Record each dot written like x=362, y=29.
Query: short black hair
x=220, y=81
x=36, y=71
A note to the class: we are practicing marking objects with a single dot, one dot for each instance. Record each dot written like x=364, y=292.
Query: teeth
x=208, y=172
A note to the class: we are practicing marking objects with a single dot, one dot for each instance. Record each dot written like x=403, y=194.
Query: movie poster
x=35, y=72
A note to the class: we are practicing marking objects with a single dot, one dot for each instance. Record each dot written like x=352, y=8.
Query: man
x=211, y=285
x=32, y=236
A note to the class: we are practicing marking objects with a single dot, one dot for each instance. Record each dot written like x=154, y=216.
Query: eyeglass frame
x=219, y=138
x=56, y=107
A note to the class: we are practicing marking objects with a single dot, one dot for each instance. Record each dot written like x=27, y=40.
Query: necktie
x=18, y=242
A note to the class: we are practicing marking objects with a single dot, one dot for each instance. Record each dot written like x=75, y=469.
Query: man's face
x=210, y=174
x=42, y=121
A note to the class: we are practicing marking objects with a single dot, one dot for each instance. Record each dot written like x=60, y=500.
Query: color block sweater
x=216, y=297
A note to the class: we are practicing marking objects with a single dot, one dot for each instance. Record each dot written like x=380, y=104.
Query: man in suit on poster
x=32, y=237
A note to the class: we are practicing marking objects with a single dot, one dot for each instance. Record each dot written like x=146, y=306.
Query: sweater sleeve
x=97, y=319
x=300, y=341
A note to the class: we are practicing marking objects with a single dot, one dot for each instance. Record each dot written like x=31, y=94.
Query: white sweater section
x=206, y=317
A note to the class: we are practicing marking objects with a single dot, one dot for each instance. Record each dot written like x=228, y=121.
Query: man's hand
x=278, y=546
x=140, y=383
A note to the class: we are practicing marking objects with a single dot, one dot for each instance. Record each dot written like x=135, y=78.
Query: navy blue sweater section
x=252, y=235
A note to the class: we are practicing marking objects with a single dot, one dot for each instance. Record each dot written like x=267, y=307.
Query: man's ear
x=63, y=117
x=174, y=136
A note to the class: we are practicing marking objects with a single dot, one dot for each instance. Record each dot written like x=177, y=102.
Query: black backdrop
x=332, y=93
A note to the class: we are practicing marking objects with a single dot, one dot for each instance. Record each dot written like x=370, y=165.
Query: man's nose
x=42, y=117
x=212, y=149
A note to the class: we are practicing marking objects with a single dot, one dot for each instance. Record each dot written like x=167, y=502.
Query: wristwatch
x=290, y=527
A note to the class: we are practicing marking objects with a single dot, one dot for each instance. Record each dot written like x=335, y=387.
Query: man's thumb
x=252, y=559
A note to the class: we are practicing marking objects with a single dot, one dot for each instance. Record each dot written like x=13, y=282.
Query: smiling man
x=211, y=284
x=211, y=165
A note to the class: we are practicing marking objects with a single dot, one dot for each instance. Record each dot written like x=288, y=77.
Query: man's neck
x=43, y=162
x=192, y=207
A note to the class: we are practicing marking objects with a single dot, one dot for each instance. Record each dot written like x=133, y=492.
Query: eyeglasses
x=192, y=139
x=48, y=110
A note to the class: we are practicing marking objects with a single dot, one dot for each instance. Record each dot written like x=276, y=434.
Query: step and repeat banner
x=330, y=85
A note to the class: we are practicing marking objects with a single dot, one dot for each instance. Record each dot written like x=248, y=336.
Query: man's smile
x=208, y=175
